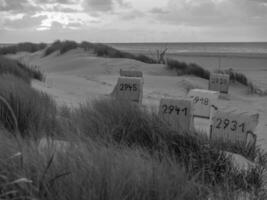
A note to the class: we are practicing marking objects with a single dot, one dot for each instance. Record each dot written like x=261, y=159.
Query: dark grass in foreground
x=118, y=151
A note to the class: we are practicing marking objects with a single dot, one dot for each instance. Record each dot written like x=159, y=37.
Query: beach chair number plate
x=128, y=87
x=177, y=113
x=201, y=100
x=219, y=82
x=169, y=109
x=232, y=127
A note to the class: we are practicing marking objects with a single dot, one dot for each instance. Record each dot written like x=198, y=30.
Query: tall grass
x=35, y=111
x=93, y=171
x=126, y=124
x=9, y=66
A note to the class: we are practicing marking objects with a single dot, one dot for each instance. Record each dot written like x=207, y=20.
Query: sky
x=112, y=21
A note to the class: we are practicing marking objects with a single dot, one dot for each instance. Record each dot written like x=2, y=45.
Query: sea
x=238, y=49
x=205, y=48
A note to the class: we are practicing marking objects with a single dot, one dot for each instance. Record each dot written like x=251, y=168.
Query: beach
x=77, y=76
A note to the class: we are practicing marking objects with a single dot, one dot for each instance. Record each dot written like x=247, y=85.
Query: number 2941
x=169, y=109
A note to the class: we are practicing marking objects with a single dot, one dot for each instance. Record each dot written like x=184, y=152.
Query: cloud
x=56, y=26
x=57, y=1
x=26, y=22
x=102, y=6
x=213, y=12
x=16, y=6
x=130, y=15
x=158, y=11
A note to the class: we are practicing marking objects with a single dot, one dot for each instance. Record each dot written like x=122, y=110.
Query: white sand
x=76, y=76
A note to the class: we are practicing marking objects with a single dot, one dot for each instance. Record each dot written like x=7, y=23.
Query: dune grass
x=35, y=111
x=9, y=66
x=25, y=46
x=183, y=68
x=97, y=48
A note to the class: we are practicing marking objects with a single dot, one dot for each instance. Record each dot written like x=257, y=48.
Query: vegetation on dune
x=26, y=46
x=97, y=48
x=182, y=68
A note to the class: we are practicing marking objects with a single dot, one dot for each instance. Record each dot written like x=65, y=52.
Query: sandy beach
x=77, y=77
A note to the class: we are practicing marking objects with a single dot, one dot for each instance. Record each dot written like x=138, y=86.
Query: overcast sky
x=133, y=20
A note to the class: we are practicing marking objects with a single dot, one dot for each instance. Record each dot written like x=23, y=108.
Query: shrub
x=35, y=111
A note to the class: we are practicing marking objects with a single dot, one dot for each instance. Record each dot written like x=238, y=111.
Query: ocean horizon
x=252, y=48
x=247, y=49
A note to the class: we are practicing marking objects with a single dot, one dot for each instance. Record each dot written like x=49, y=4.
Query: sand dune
x=77, y=76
